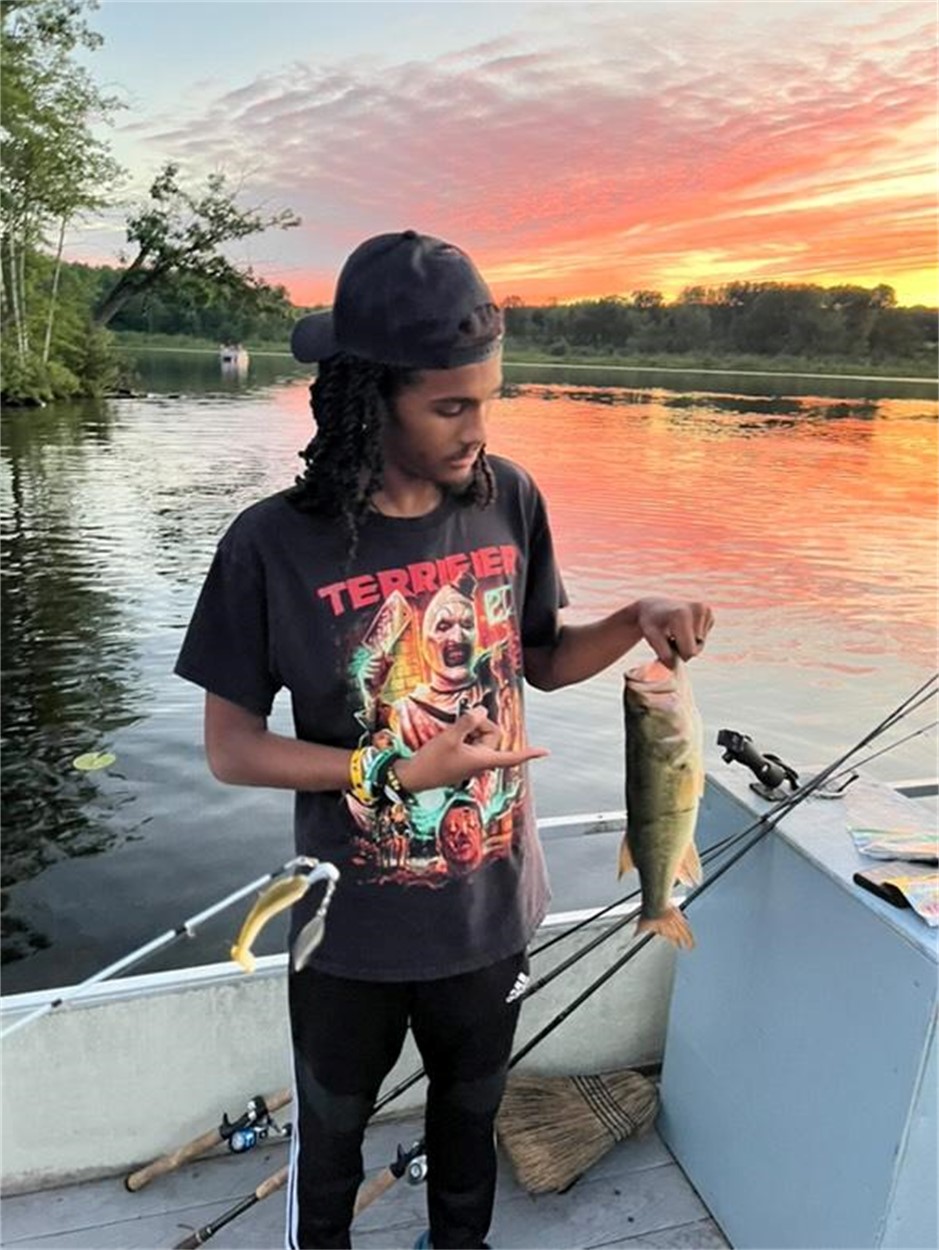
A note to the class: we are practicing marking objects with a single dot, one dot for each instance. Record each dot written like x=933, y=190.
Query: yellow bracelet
x=357, y=775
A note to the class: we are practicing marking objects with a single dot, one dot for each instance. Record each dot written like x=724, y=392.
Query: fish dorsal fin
x=689, y=871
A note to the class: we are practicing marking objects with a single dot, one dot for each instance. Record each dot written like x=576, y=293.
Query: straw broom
x=554, y=1128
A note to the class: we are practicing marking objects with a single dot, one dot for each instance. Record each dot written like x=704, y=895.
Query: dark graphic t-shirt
x=429, y=621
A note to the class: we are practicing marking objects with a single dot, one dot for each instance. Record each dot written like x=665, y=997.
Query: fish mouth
x=655, y=677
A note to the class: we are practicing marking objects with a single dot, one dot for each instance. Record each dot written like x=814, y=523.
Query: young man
x=401, y=591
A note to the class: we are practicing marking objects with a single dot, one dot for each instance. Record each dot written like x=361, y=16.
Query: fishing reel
x=417, y=1170
x=411, y=1162
x=770, y=771
x=254, y=1126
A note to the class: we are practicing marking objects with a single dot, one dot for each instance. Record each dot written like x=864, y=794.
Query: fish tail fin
x=241, y=954
x=671, y=925
x=689, y=870
x=626, y=861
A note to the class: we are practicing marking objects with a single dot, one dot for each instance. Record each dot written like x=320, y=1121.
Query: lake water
x=805, y=511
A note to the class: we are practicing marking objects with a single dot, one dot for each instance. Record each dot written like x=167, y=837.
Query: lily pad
x=91, y=761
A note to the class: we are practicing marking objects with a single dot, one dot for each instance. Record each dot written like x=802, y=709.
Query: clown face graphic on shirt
x=419, y=662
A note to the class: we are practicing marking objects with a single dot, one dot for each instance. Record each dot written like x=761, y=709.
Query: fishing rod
x=314, y=871
x=410, y=1161
x=759, y=828
x=624, y=959
x=921, y=695
x=712, y=853
x=248, y=1131
x=416, y=1156
x=763, y=825
x=899, y=743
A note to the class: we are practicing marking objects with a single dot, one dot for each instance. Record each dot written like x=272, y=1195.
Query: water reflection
x=201, y=372
x=68, y=675
x=743, y=383
x=805, y=517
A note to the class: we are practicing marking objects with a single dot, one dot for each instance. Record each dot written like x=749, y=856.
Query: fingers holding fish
x=674, y=627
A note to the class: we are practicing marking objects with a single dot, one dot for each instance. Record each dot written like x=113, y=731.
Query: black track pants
x=347, y=1036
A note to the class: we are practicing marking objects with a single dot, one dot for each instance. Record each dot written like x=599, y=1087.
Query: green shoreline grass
x=900, y=370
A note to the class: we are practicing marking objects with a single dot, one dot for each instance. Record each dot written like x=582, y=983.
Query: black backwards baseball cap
x=405, y=299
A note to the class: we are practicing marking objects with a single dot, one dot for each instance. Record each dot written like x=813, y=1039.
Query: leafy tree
x=894, y=334
x=186, y=304
x=689, y=327
x=647, y=299
x=54, y=168
x=180, y=233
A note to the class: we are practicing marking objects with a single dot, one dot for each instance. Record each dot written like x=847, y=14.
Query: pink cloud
x=630, y=136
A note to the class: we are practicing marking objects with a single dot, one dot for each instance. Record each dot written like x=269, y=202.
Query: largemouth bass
x=664, y=783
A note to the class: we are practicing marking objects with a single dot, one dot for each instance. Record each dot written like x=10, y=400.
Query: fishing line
x=900, y=741
x=904, y=709
x=760, y=827
x=624, y=959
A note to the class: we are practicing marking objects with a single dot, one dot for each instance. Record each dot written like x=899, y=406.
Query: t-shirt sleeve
x=226, y=650
x=544, y=589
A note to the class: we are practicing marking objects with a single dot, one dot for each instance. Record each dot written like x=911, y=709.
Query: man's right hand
x=464, y=749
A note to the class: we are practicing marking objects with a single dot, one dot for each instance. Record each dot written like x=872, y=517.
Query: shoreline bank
x=746, y=367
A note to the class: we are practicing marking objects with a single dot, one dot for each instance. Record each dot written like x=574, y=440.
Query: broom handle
x=192, y=1149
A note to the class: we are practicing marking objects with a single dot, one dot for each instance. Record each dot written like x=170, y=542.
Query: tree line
x=850, y=323
x=737, y=318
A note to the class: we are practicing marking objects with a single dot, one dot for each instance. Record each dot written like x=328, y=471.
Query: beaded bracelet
x=394, y=789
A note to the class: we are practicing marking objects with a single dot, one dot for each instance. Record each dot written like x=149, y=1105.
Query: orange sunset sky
x=573, y=150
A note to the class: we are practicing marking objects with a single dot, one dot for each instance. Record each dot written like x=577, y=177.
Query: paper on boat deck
x=909, y=844
x=904, y=884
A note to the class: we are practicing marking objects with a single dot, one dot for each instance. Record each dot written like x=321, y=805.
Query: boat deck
x=635, y=1196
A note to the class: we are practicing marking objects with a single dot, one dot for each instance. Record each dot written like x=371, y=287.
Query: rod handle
x=272, y=1184
x=170, y=1162
x=371, y=1190
x=192, y=1149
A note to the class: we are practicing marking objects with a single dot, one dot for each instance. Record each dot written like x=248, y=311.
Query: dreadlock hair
x=351, y=398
